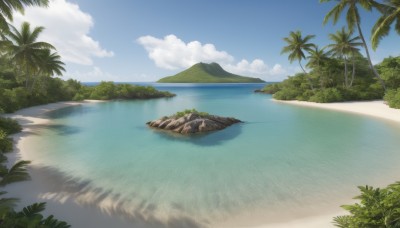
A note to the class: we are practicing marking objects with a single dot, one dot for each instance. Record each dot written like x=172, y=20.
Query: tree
x=8, y=6
x=25, y=50
x=353, y=20
x=390, y=16
x=296, y=47
x=316, y=58
x=48, y=64
x=344, y=46
x=377, y=208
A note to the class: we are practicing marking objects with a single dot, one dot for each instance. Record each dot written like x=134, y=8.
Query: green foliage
x=9, y=125
x=270, y=88
x=6, y=144
x=188, y=111
x=390, y=16
x=326, y=96
x=208, y=73
x=109, y=90
x=389, y=70
x=392, y=97
x=16, y=173
x=377, y=208
x=31, y=216
x=294, y=88
x=103, y=91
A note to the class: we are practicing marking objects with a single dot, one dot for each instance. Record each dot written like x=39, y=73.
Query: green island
x=208, y=73
x=337, y=72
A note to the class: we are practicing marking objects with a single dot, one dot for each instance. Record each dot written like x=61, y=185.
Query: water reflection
x=204, y=139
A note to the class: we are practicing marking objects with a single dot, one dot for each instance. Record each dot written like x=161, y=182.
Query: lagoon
x=283, y=162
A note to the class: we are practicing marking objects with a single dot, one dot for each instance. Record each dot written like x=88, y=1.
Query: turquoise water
x=281, y=160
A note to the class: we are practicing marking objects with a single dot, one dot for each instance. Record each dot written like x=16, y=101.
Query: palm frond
x=16, y=173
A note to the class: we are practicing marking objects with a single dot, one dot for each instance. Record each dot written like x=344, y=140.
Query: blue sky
x=132, y=40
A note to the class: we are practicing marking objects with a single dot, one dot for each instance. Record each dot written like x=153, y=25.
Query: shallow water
x=281, y=161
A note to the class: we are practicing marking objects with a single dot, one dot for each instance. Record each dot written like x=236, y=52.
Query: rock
x=192, y=123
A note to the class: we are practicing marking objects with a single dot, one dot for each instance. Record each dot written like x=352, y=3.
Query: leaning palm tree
x=390, y=16
x=296, y=47
x=353, y=20
x=8, y=6
x=25, y=50
x=344, y=47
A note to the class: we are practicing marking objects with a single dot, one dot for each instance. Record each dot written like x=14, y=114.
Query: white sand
x=32, y=117
x=371, y=108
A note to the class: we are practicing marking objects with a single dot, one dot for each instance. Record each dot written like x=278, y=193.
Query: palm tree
x=389, y=17
x=49, y=64
x=316, y=58
x=353, y=20
x=25, y=49
x=8, y=6
x=296, y=47
x=16, y=173
x=344, y=46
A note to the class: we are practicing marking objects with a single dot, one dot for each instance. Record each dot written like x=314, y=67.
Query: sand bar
x=376, y=109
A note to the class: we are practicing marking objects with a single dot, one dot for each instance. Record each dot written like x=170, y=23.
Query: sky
x=145, y=40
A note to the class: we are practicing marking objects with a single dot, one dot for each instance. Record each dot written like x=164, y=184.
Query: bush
x=392, y=97
x=270, y=89
x=377, y=208
x=188, y=111
x=104, y=91
x=287, y=94
x=326, y=96
x=13, y=99
x=9, y=126
x=6, y=144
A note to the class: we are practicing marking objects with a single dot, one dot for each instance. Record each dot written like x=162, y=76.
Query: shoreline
x=33, y=117
x=376, y=108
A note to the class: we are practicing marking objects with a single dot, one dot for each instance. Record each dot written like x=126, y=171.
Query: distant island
x=208, y=73
x=190, y=121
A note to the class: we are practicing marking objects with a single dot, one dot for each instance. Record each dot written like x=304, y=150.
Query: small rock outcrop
x=191, y=123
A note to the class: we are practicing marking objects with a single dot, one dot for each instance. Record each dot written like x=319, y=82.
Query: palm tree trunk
x=353, y=73
x=369, y=57
x=308, y=78
x=345, y=73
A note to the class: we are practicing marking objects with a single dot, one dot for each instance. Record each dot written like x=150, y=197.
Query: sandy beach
x=78, y=215
x=376, y=109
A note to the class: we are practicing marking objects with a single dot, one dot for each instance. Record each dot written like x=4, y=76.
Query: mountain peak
x=208, y=73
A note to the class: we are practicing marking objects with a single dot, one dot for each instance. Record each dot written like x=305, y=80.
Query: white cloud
x=257, y=66
x=172, y=53
x=67, y=28
x=277, y=70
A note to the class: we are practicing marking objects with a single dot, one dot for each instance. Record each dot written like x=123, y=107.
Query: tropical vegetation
x=377, y=208
x=188, y=111
x=338, y=71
